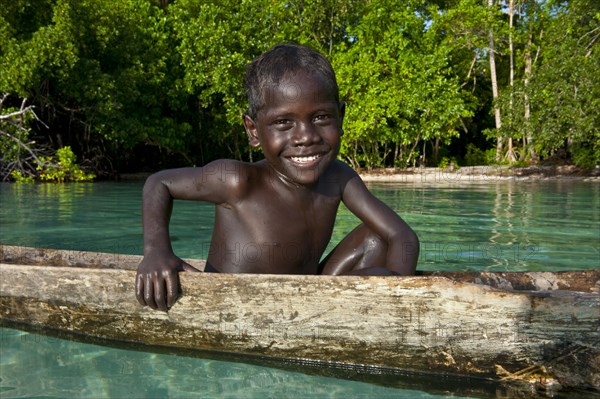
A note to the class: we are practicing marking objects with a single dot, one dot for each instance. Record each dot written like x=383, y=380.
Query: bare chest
x=275, y=232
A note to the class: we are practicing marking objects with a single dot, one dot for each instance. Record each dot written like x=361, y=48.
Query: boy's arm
x=403, y=243
x=157, y=280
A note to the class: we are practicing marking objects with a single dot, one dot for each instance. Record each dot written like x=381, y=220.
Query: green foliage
x=475, y=156
x=586, y=157
x=17, y=150
x=13, y=133
x=554, y=106
x=32, y=56
x=62, y=168
x=115, y=78
x=490, y=157
x=446, y=163
x=108, y=71
x=566, y=87
x=397, y=83
x=18, y=177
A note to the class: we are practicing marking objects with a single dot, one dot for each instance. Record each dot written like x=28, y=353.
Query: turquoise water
x=503, y=225
x=35, y=366
x=499, y=226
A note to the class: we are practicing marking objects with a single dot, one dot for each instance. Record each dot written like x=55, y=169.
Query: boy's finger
x=160, y=294
x=172, y=290
x=139, y=289
x=149, y=292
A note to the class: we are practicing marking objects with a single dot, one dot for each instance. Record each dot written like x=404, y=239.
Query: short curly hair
x=271, y=66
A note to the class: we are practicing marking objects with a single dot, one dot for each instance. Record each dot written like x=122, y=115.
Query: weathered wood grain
x=421, y=323
x=72, y=258
x=581, y=280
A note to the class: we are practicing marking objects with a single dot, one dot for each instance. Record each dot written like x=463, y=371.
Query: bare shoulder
x=342, y=167
x=351, y=185
x=237, y=177
x=227, y=171
x=219, y=181
x=340, y=173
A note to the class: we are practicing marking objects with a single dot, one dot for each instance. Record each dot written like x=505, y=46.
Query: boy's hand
x=157, y=280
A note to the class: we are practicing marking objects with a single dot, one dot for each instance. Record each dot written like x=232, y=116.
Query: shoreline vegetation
x=128, y=87
x=479, y=174
x=463, y=174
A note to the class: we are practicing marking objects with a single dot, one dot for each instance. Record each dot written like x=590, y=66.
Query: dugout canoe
x=540, y=329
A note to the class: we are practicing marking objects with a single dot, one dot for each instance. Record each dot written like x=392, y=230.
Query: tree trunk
x=497, y=117
x=510, y=153
x=528, y=136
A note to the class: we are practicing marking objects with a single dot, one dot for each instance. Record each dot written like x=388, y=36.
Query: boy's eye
x=322, y=118
x=282, y=122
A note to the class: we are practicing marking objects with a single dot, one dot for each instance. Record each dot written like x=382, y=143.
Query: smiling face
x=298, y=128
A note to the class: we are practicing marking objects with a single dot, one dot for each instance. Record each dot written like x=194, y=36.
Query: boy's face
x=298, y=128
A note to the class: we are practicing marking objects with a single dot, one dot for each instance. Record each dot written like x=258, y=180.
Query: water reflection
x=80, y=216
x=502, y=225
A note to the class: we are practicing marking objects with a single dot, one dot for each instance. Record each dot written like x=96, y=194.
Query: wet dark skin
x=277, y=215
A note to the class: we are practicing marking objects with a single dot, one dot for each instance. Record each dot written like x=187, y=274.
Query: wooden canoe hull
x=430, y=324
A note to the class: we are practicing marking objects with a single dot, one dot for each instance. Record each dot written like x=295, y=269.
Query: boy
x=277, y=215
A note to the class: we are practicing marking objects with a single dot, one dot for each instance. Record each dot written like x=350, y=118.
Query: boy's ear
x=250, y=127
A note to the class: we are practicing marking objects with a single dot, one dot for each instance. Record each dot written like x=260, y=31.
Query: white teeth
x=305, y=159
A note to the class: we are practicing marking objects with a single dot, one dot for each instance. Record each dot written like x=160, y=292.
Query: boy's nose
x=305, y=134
